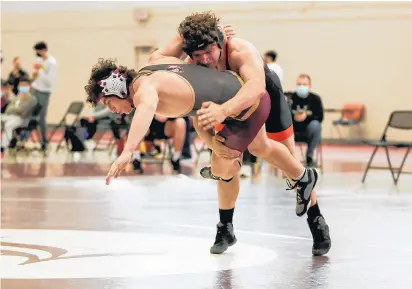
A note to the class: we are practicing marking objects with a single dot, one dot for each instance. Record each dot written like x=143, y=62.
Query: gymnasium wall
x=355, y=52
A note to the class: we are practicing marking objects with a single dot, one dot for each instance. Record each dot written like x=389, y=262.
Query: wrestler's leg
x=228, y=192
x=291, y=146
x=278, y=155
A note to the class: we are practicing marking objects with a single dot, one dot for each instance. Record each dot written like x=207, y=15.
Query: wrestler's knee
x=259, y=149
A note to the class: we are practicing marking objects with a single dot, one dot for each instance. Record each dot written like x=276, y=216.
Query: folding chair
x=401, y=119
x=75, y=109
x=103, y=128
x=301, y=140
x=351, y=117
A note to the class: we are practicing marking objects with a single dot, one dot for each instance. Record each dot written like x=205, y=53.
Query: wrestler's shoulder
x=240, y=44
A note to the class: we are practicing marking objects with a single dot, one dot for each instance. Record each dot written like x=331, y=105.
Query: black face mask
x=38, y=54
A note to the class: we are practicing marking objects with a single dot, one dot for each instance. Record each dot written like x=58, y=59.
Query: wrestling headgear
x=115, y=85
x=194, y=45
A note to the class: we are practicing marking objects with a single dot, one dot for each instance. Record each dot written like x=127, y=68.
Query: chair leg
x=369, y=163
x=320, y=157
x=402, y=164
x=338, y=130
x=390, y=165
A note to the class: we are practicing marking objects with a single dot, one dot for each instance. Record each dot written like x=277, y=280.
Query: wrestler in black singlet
x=218, y=87
x=280, y=118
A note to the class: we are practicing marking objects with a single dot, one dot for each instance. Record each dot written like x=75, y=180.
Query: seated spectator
x=18, y=110
x=165, y=128
x=16, y=74
x=76, y=135
x=307, y=110
x=99, y=114
x=6, y=94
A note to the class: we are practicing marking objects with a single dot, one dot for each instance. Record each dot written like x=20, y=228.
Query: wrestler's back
x=184, y=87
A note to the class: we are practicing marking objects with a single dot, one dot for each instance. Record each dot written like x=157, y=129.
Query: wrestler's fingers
x=108, y=177
x=210, y=125
x=219, y=138
x=117, y=173
x=206, y=104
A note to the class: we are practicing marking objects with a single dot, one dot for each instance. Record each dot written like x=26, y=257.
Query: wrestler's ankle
x=300, y=175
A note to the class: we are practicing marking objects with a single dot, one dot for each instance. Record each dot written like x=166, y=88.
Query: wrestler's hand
x=210, y=114
x=228, y=30
x=221, y=150
x=118, y=166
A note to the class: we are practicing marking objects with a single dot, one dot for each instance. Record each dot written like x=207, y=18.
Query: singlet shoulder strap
x=142, y=72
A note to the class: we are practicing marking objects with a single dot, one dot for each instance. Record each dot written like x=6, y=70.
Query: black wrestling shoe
x=320, y=234
x=176, y=166
x=225, y=237
x=304, y=188
x=137, y=166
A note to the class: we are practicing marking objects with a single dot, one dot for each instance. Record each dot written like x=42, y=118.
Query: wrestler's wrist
x=129, y=149
x=227, y=111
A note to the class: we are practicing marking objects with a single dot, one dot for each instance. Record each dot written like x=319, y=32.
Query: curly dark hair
x=102, y=70
x=199, y=30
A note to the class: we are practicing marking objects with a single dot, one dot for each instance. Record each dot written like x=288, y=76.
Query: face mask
x=302, y=91
x=24, y=89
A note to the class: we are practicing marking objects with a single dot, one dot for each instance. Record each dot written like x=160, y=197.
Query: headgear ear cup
x=220, y=38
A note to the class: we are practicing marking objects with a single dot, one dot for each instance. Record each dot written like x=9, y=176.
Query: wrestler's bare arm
x=172, y=49
x=245, y=59
x=145, y=100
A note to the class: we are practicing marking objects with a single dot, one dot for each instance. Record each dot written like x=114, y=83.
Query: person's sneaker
x=310, y=162
x=320, y=234
x=176, y=166
x=304, y=188
x=137, y=166
x=225, y=237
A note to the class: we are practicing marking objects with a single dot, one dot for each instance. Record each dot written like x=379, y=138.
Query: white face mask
x=302, y=91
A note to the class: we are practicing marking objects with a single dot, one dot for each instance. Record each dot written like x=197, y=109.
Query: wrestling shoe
x=225, y=237
x=320, y=234
x=304, y=188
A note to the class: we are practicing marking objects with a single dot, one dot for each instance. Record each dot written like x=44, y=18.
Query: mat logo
x=65, y=254
x=54, y=253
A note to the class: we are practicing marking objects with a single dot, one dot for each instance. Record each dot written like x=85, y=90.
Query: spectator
x=44, y=75
x=99, y=114
x=270, y=60
x=7, y=94
x=307, y=109
x=17, y=112
x=165, y=128
x=16, y=74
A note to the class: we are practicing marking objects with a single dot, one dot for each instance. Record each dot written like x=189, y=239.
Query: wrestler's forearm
x=247, y=96
x=142, y=119
x=172, y=49
x=206, y=136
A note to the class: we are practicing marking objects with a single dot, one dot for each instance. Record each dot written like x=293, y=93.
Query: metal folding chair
x=401, y=119
x=75, y=109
